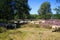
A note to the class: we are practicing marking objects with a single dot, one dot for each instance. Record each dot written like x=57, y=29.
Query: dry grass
x=30, y=33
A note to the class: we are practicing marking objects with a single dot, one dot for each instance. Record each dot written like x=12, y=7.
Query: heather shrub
x=46, y=26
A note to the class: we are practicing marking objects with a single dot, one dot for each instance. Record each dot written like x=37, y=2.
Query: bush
x=46, y=26
x=2, y=29
x=37, y=26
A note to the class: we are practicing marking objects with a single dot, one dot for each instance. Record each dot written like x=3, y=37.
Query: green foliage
x=21, y=9
x=5, y=9
x=16, y=16
x=57, y=15
x=45, y=10
x=57, y=9
x=34, y=16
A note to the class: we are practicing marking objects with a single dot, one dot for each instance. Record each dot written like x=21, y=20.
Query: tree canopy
x=57, y=15
x=10, y=9
x=23, y=9
x=45, y=10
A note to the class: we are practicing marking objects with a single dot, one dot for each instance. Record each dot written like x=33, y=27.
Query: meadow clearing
x=33, y=32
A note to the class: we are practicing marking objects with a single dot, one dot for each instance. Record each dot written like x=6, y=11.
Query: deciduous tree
x=45, y=10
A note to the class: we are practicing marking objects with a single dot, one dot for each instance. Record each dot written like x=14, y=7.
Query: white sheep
x=55, y=27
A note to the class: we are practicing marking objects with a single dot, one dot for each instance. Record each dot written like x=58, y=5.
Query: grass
x=30, y=33
x=4, y=36
x=12, y=34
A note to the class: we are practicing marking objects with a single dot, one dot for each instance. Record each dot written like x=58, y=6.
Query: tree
x=57, y=9
x=45, y=10
x=9, y=9
x=23, y=9
x=57, y=15
x=6, y=10
x=34, y=16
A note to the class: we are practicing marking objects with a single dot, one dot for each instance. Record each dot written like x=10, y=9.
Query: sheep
x=34, y=22
x=55, y=28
